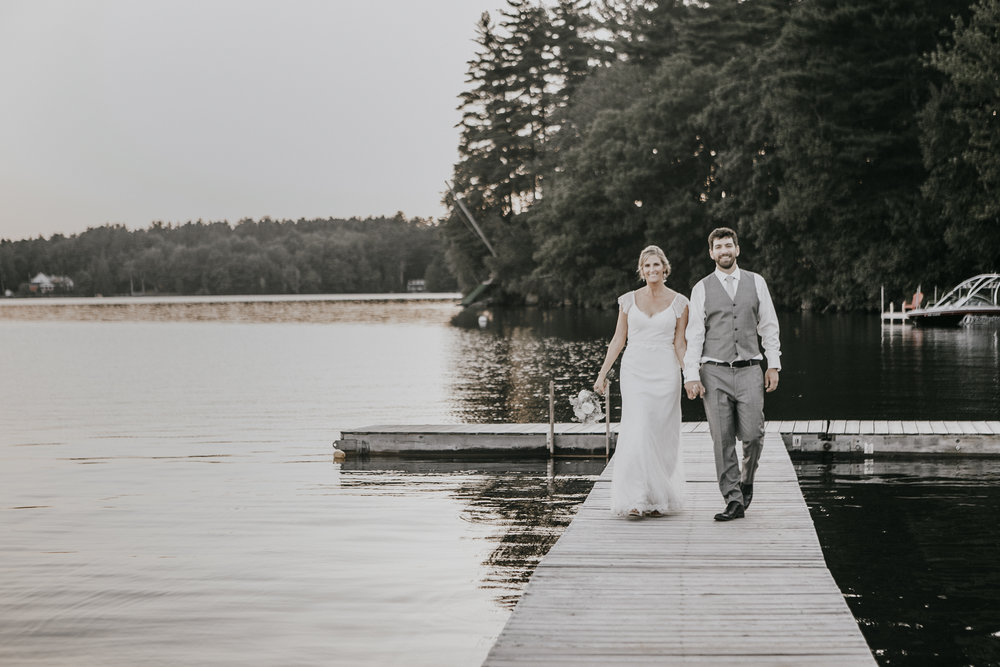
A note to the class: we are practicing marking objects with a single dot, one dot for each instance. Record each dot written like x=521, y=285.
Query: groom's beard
x=725, y=261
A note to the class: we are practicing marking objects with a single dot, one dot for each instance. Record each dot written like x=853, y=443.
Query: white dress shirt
x=767, y=326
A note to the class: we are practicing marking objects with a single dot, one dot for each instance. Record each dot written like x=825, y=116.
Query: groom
x=729, y=309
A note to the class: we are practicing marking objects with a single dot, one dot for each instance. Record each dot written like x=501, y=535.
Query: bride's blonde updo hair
x=653, y=251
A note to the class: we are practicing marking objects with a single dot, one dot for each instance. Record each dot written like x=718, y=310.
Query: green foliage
x=961, y=141
x=842, y=87
x=845, y=155
x=521, y=77
x=253, y=257
x=638, y=176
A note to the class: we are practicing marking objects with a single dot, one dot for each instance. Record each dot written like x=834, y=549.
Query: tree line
x=851, y=143
x=251, y=257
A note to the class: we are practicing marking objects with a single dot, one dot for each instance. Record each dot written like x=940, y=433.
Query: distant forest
x=252, y=257
x=851, y=143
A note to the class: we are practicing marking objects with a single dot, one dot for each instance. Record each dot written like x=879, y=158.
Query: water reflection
x=132, y=395
x=913, y=544
x=504, y=377
x=956, y=367
x=528, y=503
x=846, y=366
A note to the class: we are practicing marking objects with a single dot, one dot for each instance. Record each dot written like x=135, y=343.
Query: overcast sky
x=130, y=111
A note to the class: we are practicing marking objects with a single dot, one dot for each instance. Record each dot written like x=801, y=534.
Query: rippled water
x=167, y=492
x=168, y=495
x=913, y=545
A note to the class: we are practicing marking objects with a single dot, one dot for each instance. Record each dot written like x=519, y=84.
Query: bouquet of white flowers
x=587, y=407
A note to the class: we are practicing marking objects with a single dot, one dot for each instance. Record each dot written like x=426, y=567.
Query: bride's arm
x=680, y=340
x=614, y=349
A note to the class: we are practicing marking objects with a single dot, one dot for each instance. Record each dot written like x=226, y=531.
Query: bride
x=648, y=476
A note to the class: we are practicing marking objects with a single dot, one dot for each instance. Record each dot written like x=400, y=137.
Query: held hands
x=695, y=389
x=770, y=379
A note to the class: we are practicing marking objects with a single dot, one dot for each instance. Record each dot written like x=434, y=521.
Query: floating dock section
x=684, y=588
x=853, y=437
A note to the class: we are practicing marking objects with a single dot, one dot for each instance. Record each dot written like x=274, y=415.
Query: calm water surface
x=913, y=545
x=167, y=493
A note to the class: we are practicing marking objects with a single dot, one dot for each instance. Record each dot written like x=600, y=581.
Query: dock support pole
x=607, y=420
x=552, y=418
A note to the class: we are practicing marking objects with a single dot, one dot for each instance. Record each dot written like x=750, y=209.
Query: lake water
x=913, y=545
x=167, y=493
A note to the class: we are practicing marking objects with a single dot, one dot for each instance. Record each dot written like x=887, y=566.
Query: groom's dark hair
x=722, y=233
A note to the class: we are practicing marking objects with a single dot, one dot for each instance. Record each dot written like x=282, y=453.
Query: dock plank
x=977, y=437
x=969, y=428
x=982, y=428
x=953, y=428
x=654, y=591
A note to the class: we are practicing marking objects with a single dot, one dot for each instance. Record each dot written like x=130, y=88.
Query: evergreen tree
x=266, y=257
x=638, y=176
x=844, y=88
x=644, y=31
x=961, y=143
x=520, y=76
x=814, y=128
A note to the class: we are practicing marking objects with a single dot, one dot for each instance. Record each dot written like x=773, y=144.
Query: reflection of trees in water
x=502, y=374
x=533, y=510
x=912, y=543
x=834, y=366
x=529, y=502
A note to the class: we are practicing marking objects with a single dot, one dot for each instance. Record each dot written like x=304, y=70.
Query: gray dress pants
x=734, y=406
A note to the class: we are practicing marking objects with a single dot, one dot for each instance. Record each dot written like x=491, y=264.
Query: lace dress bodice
x=652, y=331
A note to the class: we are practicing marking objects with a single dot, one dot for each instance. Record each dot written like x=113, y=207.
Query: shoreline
x=227, y=298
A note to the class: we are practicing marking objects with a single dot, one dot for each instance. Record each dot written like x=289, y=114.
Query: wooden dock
x=850, y=436
x=685, y=588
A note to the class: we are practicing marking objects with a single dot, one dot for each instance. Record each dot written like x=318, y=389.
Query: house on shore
x=43, y=284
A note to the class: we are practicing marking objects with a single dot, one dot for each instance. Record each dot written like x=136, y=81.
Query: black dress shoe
x=733, y=511
x=747, y=491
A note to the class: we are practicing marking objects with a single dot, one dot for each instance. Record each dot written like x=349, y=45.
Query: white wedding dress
x=648, y=474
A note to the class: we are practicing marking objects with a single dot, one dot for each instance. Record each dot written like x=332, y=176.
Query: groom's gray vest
x=731, y=324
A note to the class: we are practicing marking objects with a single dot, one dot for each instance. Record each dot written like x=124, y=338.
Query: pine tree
x=843, y=86
x=961, y=142
x=520, y=78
